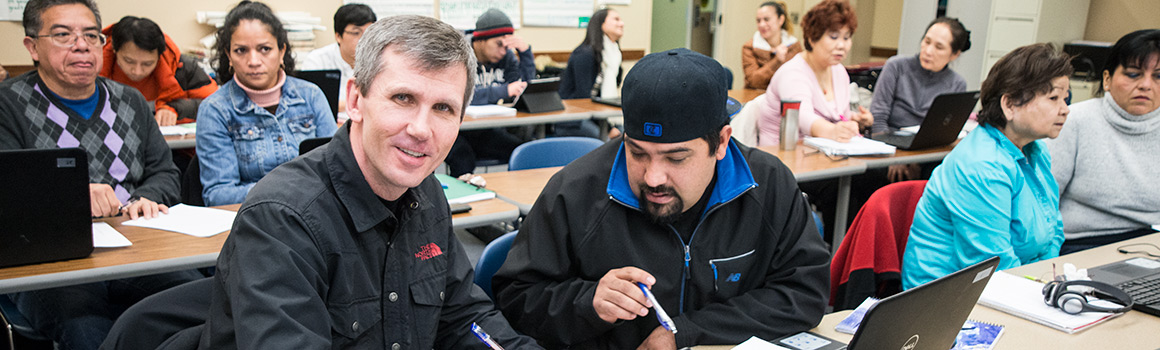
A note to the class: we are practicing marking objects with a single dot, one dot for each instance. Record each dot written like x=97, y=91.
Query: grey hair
x=34, y=9
x=435, y=45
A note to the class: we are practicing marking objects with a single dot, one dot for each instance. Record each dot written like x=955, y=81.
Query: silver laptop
x=44, y=206
x=927, y=317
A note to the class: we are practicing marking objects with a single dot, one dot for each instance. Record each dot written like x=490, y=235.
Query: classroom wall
x=178, y=19
x=1108, y=20
x=887, y=21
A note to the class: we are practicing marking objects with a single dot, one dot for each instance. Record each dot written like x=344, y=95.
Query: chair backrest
x=16, y=321
x=191, y=186
x=494, y=254
x=550, y=152
x=744, y=123
x=869, y=260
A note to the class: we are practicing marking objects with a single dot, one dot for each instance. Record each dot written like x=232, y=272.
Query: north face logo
x=430, y=250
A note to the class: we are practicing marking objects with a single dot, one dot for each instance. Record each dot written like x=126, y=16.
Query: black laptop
x=927, y=317
x=330, y=81
x=611, y=101
x=44, y=206
x=945, y=118
x=1139, y=277
x=541, y=95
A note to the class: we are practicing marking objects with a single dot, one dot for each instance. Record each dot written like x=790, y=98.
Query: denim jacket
x=239, y=142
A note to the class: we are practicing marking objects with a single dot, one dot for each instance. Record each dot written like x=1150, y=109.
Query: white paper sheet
x=755, y=343
x=183, y=129
x=105, y=236
x=190, y=220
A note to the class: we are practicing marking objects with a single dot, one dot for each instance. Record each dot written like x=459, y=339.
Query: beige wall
x=1108, y=20
x=177, y=18
x=887, y=20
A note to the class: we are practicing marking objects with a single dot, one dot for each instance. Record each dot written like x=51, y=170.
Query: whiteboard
x=12, y=10
x=461, y=14
x=387, y=8
x=556, y=13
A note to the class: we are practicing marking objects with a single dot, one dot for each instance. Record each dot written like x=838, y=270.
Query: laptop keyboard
x=1144, y=290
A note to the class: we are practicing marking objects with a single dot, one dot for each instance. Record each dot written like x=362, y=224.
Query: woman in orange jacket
x=138, y=54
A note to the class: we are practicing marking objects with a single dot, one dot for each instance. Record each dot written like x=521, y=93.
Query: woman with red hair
x=818, y=80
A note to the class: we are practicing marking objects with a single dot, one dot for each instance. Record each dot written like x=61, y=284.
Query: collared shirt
x=239, y=142
x=316, y=260
x=988, y=198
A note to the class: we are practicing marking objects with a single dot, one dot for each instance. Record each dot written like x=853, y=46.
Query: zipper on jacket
x=688, y=246
x=713, y=265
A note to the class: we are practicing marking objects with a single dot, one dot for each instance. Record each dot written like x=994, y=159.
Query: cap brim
x=732, y=106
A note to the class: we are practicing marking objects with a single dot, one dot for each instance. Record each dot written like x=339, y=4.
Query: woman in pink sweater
x=818, y=80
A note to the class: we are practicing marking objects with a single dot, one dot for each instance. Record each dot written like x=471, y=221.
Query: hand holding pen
x=618, y=297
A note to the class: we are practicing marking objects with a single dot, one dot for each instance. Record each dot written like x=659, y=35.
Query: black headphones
x=1056, y=294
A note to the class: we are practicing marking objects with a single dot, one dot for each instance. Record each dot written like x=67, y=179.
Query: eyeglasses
x=354, y=33
x=69, y=39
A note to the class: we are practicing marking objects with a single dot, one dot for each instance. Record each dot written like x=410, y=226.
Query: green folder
x=461, y=192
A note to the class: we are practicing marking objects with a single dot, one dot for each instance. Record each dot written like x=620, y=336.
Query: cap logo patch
x=652, y=129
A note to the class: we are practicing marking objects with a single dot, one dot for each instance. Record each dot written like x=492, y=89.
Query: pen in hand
x=484, y=337
x=661, y=315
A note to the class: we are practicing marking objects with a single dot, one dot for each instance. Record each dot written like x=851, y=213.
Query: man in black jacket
x=350, y=246
x=718, y=231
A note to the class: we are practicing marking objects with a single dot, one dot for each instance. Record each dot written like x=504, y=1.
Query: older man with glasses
x=64, y=104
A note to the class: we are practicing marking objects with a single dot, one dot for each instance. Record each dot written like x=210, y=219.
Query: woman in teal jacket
x=994, y=194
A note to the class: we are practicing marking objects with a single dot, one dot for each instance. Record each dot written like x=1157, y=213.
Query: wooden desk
x=577, y=109
x=1133, y=330
x=485, y=212
x=152, y=252
x=156, y=251
x=520, y=187
x=745, y=95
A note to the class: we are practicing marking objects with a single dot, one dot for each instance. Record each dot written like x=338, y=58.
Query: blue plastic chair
x=16, y=322
x=494, y=254
x=550, y=152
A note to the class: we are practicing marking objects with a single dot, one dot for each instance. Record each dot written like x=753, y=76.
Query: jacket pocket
x=728, y=273
x=248, y=142
x=428, y=295
x=303, y=124
x=351, y=321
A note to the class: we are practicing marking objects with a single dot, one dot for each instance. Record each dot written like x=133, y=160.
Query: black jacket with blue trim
x=755, y=265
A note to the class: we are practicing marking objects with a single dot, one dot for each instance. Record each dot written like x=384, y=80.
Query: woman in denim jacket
x=256, y=120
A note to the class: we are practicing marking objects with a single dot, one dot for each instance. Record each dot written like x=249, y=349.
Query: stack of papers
x=487, y=111
x=190, y=220
x=858, y=146
x=180, y=129
x=1024, y=298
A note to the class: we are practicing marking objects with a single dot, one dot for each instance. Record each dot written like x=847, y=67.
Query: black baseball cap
x=676, y=96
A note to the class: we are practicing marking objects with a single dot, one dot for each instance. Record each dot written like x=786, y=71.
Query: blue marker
x=484, y=337
x=661, y=315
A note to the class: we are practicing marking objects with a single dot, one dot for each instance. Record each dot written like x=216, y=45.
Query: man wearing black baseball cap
x=718, y=232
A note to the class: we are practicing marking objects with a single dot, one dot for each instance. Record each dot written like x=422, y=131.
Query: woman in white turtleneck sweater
x=772, y=45
x=1104, y=158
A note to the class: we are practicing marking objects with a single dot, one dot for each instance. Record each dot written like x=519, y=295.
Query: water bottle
x=789, y=124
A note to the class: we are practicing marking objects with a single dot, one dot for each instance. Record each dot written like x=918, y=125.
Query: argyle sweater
x=125, y=148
